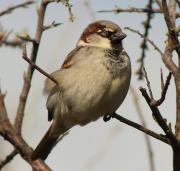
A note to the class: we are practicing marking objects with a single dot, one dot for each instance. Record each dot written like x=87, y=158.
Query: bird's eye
x=104, y=33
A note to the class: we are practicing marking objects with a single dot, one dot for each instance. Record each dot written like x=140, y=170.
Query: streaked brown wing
x=69, y=59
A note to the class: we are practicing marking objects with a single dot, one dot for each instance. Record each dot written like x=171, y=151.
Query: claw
x=106, y=118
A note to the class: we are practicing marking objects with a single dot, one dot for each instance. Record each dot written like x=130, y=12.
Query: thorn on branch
x=164, y=89
x=33, y=65
x=162, y=80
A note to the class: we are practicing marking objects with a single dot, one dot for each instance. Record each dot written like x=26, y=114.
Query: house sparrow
x=93, y=82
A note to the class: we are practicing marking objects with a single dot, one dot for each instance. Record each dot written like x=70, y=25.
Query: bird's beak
x=118, y=36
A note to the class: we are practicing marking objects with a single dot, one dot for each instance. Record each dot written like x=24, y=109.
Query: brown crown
x=92, y=28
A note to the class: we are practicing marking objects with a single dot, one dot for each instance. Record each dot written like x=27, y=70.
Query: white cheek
x=104, y=42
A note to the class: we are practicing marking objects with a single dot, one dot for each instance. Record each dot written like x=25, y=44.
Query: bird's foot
x=107, y=118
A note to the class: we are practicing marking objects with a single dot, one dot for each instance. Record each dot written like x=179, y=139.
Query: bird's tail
x=47, y=143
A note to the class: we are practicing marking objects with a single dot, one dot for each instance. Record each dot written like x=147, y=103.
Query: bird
x=93, y=81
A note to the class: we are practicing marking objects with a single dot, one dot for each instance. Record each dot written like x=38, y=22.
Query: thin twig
x=8, y=158
x=33, y=65
x=52, y=25
x=150, y=41
x=148, y=84
x=27, y=39
x=4, y=38
x=10, y=9
x=13, y=43
x=3, y=111
x=140, y=128
x=118, y=10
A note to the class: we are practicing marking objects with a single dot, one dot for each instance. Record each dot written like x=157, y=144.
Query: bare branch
x=140, y=128
x=172, y=12
x=167, y=15
x=30, y=70
x=173, y=41
x=33, y=65
x=161, y=122
x=11, y=135
x=8, y=158
x=118, y=10
x=22, y=5
x=167, y=58
x=170, y=22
